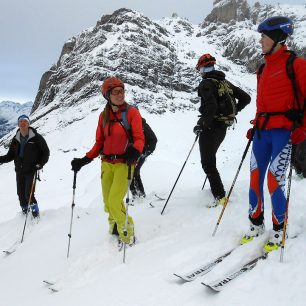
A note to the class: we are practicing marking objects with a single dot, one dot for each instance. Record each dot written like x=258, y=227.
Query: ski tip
x=182, y=278
x=49, y=283
x=53, y=290
x=9, y=252
x=213, y=289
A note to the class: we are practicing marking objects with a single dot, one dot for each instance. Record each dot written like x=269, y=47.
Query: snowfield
x=175, y=242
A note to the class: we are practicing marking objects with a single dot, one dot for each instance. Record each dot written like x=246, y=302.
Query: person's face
x=266, y=43
x=23, y=124
x=117, y=95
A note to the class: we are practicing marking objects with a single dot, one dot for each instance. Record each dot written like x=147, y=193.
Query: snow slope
x=175, y=242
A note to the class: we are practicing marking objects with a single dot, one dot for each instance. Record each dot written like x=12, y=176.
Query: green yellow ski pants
x=114, y=180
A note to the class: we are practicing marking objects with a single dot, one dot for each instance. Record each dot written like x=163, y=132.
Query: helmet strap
x=272, y=49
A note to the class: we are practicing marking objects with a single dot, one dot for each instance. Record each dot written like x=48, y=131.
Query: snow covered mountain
x=160, y=77
x=232, y=27
x=157, y=58
x=9, y=112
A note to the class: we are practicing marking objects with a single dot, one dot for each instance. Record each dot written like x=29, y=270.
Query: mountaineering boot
x=130, y=243
x=274, y=241
x=216, y=202
x=128, y=238
x=254, y=231
x=35, y=210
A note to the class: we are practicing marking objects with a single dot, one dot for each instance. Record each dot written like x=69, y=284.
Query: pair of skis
x=219, y=285
x=50, y=286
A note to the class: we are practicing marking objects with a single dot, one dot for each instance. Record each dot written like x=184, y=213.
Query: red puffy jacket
x=115, y=140
x=275, y=92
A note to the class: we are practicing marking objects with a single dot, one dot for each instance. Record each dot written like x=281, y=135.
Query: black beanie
x=276, y=35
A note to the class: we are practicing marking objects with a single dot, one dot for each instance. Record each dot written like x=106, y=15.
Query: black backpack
x=299, y=158
x=227, y=106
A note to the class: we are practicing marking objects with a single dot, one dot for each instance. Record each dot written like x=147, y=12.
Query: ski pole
x=287, y=210
x=127, y=208
x=233, y=184
x=180, y=173
x=72, y=207
x=204, y=182
x=29, y=202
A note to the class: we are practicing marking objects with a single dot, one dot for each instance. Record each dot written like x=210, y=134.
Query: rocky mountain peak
x=125, y=44
x=228, y=10
x=156, y=59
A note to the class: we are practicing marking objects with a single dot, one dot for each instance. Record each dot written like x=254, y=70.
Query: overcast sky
x=32, y=33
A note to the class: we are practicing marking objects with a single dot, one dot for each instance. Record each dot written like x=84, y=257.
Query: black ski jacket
x=208, y=92
x=36, y=151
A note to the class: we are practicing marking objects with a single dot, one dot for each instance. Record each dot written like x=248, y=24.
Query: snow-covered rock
x=9, y=112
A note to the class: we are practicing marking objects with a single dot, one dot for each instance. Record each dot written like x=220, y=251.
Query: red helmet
x=205, y=60
x=109, y=84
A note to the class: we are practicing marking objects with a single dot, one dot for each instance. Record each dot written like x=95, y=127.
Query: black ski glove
x=78, y=163
x=131, y=154
x=197, y=129
x=38, y=167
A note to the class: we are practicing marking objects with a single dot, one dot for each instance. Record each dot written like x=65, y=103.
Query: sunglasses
x=116, y=92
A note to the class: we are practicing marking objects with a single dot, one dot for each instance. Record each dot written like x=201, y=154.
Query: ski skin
x=196, y=273
x=221, y=283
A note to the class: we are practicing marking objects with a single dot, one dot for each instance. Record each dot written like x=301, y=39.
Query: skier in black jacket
x=30, y=153
x=218, y=110
x=136, y=187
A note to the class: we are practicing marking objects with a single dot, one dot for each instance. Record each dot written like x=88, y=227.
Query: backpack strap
x=291, y=76
x=123, y=122
x=260, y=69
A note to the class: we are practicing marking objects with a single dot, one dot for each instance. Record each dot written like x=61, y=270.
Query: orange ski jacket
x=111, y=137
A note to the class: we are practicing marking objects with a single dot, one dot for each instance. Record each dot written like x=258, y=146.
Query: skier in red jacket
x=119, y=147
x=280, y=121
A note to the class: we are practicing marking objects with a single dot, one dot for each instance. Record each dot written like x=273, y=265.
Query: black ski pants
x=209, y=142
x=136, y=184
x=24, y=184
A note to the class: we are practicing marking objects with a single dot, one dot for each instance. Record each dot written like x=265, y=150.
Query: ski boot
x=129, y=241
x=217, y=201
x=274, y=241
x=254, y=231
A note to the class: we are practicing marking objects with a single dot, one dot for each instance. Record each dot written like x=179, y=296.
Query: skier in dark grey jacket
x=30, y=153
